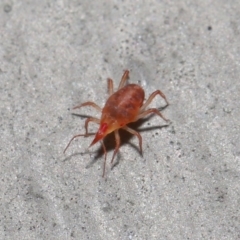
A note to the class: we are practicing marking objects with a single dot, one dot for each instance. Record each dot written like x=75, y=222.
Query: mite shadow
x=109, y=140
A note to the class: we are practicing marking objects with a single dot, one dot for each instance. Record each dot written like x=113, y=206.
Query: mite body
x=124, y=106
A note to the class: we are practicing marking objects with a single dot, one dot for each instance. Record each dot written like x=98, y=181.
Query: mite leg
x=153, y=95
x=83, y=135
x=91, y=104
x=151, y=110
x=117, y=138
x=91, y=119
x=105, y=158
x=136, y=134
x=125, y=76
x=110, y=86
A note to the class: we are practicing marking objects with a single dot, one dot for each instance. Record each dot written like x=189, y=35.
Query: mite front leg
x=105, y=158
x=96, y=120
x=91, y=119
x=79, y=135
x=91, y=104
x=117, y=138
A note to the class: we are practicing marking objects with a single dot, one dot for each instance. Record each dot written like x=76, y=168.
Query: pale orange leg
x=136, y=134
x=105, y=158
x=151, y=110
x=91, y=119
x=153, y=95
x=117, y=138
x=91, y=104
x=125, y=76
x=83, y=135
x=110, y=86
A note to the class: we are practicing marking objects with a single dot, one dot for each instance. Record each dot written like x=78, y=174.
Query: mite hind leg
x=96, y=120
x=110, y=86
x=151, y=97
x=130, y=130
x=151, y=110
x=125, y=76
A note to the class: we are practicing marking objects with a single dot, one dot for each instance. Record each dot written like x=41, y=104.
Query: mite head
x=101, y=133
x=105, y=128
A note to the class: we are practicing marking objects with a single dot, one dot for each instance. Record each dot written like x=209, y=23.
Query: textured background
x=57, y=54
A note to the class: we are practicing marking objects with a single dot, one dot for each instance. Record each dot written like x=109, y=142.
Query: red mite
x=122, y=107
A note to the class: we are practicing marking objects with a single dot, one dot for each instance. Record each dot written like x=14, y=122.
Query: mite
x=124, y=106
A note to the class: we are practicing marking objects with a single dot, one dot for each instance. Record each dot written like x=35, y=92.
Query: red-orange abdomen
x=122, y=107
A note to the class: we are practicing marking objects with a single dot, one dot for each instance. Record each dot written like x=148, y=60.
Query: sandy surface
x=57, y=54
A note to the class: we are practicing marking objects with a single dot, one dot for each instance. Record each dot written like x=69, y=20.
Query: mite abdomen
x=124, y=104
